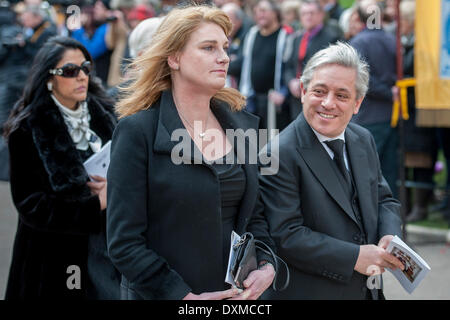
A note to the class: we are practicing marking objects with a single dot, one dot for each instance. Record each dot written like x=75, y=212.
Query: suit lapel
x=359, y=165
x=317, y=159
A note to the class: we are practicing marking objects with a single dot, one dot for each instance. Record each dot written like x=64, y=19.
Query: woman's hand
x=217, y=295
x=98, y=187
x=257, y=282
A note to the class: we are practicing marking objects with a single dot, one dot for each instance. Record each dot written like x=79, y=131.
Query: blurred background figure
x=378, y=48
x=103, y=31
x=141, y=37
x=62, y=119
x=421, y=143
x=138, y=14
x=138, y=41
x=261, y=64
x=332, y=9
x=290, y=17
x=241, y=24
x=22, y=34
x=315, y=35
x=354, y=25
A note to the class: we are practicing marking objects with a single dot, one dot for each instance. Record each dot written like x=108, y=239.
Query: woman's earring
x=49, y=86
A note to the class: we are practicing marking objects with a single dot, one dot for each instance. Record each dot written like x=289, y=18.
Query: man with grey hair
x=330, y=211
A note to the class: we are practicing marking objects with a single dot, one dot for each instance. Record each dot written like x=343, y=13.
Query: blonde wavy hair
x=150, y=73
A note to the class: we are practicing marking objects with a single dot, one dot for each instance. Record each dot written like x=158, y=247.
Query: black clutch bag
x=245, y=261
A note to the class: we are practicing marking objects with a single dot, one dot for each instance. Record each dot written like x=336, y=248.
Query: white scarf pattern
x=77, y=122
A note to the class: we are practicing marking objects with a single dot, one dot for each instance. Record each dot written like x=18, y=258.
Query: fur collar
x=55, y=147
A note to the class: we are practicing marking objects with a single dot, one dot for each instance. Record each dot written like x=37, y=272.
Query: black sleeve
x=127, y=218
x=74, y=212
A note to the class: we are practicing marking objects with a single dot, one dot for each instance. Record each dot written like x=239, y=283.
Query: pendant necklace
x=201, y=134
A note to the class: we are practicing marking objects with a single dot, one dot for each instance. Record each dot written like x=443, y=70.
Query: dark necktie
x=337, y=146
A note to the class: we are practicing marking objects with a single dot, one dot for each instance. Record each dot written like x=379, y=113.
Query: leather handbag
x=245, y=260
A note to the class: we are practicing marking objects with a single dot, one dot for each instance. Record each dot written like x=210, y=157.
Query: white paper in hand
x=415, y=267
x=98, y=163
x=234, y=239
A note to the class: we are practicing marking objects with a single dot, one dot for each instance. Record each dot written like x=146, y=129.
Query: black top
x=263, y=62
x=232, y=187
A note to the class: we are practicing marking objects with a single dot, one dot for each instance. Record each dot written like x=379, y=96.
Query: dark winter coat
x=164, y=220
x=57, y=211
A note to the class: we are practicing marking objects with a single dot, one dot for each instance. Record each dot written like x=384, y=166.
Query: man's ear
x=173, y=62
x=358, y=105
x=302, y=92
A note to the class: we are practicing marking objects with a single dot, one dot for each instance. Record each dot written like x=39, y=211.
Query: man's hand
x=371, y=255
x=384, y=242
x=276, y=97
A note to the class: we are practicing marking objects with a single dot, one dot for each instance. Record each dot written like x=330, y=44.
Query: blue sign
x=445, y=40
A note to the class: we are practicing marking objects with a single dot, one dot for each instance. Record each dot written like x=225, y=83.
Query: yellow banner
x=432, y=62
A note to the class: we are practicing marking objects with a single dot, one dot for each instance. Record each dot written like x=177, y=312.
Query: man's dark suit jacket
x=311, y=218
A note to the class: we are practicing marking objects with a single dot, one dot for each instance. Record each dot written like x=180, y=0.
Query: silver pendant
x=202, y=135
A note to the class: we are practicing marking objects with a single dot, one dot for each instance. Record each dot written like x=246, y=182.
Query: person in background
x=138, y=14
x=62, y=119
x=314, y=36
x=100, y=29
x=168, y=249
x=138, y=41
x=378, y=48
x=141, y=36
x=355, y=25
x=19, y=44
x=332, y=8
x=241, y=25
x=290, y=15
x=421, y=143
x=262, y=62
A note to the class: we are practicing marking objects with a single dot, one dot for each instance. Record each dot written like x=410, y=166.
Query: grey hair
x=141, y=37
x=341, y=54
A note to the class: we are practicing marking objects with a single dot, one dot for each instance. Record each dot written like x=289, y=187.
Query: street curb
x=424, y=234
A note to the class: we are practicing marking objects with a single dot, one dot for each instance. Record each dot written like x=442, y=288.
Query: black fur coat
x=57, y=213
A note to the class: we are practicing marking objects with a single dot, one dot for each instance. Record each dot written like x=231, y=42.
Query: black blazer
x=311, y=219
x=164, y=220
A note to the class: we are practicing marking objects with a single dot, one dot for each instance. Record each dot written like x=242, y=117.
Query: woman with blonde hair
x=171, y=212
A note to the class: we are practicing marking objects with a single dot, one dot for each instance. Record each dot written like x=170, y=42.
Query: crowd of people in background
x=270, y=43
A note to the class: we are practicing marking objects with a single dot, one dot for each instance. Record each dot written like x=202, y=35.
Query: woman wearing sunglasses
x=62, y=118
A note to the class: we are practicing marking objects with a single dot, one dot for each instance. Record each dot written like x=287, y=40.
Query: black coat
x=164, y=220
x=57, y=211
x=311, y=217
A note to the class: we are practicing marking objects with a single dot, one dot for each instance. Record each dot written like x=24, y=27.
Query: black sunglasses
x=71, y=70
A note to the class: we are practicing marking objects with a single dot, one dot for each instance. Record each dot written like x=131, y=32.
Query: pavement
x=431, y=244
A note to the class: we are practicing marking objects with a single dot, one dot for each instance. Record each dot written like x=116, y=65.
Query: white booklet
x=415, y=267
x=98, y=163
x=234, y=239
